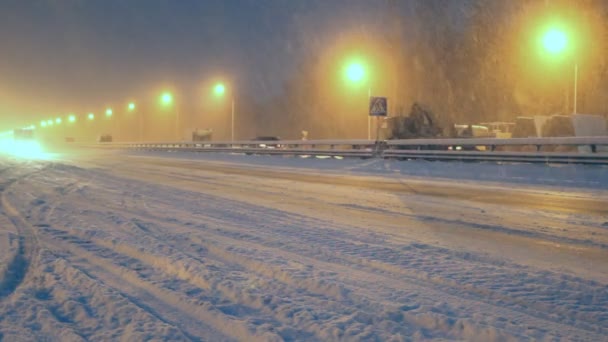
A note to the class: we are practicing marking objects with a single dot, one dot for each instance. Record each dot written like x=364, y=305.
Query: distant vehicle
x=500, y=130
x=104, y=138
x=202, y=134
x=529, y=126
x=267, y=142
x=575, y=125
x=472, y=131
x=23, y=134
x=421, y=123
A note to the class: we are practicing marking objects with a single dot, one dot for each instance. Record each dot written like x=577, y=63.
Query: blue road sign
x=378, y=106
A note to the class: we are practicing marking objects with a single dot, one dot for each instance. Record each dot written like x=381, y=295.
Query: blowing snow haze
x=211, y=170
x=282, y=62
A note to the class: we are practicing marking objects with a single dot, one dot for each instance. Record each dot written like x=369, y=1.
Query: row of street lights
x=166, y=99
x=555, y=41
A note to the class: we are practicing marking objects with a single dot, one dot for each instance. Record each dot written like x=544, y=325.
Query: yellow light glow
x=91, y=116
x=109, y=112
x=58, y=121
x=49, y=122
x=42, y=123
x=26, y=149
x=219, y=89
x=354, y=72
x=166, y=99
x=72, y=118
x=555, y=40
x=131, y=106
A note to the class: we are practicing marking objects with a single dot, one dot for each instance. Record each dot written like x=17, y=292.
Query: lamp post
x=166, y=100
x=219, y=90
x=131, y=108
x=355, y=73
x=555, y=42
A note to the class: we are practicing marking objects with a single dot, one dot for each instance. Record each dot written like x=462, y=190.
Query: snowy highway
x=172, y=246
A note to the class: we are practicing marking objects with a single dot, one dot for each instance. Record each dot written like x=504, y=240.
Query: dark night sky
x=71, y=55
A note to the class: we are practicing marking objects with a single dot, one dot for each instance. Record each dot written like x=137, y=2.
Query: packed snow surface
x=208, y=247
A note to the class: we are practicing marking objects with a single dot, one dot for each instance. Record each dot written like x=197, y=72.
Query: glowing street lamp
x=354, y=72
x=42, y=123
x=220, y=90
x=131, y=106
x=91, y=116
x=166, y=99
x=49, y=122
x=555, y=41
x=58, y=121
x=109, y=112
x=72, y=118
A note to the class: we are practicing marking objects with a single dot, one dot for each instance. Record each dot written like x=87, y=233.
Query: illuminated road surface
x=113, y=247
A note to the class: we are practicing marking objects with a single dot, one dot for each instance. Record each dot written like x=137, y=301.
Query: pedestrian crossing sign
x=378, y=106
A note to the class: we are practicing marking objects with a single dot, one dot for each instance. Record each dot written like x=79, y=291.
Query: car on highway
x=267, y=142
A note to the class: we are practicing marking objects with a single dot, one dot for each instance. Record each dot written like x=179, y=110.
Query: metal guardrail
x=593, y=142
x=543, y=150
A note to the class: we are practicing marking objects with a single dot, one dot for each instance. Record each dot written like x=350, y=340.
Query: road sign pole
x=232, y=122
x=378, y=106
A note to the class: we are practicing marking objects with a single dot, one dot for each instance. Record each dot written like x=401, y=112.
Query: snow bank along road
x=127, y=247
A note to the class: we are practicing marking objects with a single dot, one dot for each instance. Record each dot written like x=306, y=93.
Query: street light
x=91, y=116
x=109, y=112
x=131, y=107
x=219, y=90
x=354, y=71
x=166, y=100
x=49, y=122
x=72, y=118
x=42, y=123
x=58, y=121
x=556, y=42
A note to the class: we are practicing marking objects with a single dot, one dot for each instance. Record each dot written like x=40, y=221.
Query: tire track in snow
x=421, y=279
x=281, y=217
x=447, y=282
x=271, y=223
x=27, y=249
x=184, y=268
x=168, y=305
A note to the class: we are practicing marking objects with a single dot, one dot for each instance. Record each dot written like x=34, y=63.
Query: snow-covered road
x=116, y=246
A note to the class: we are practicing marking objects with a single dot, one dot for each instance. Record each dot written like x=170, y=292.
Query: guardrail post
x=379, y=147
